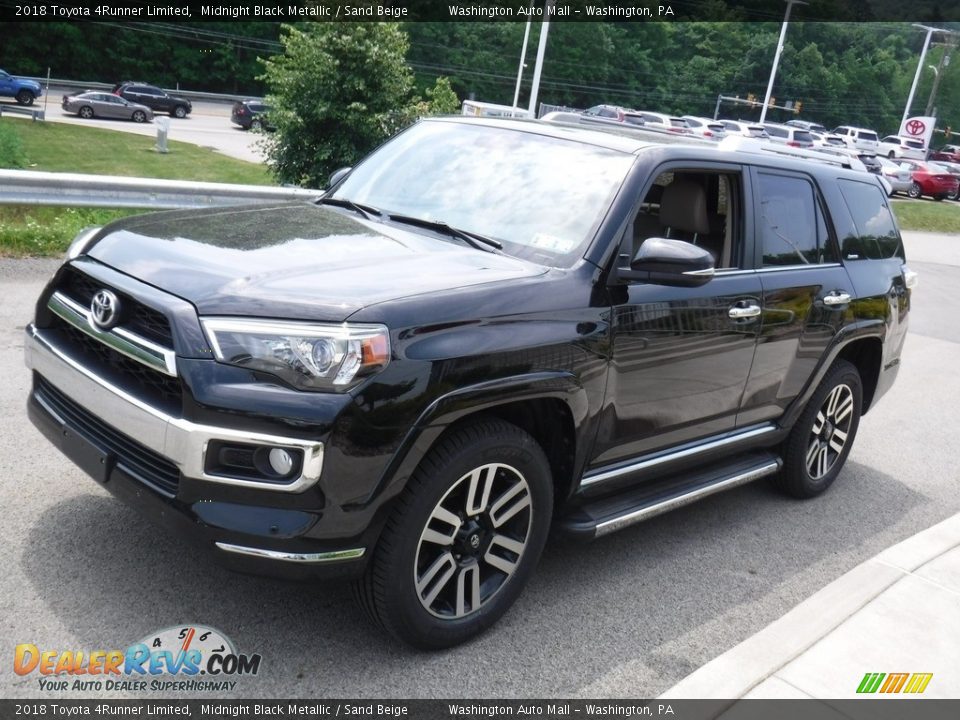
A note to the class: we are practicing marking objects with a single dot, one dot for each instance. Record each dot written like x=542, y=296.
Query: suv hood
x=297, y=261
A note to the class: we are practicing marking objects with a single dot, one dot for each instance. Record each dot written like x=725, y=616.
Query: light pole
x=776, y=57
x=523, y=57
x=541, y=50
x=923, y=54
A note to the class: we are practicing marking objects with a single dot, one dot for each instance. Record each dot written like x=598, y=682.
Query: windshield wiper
x=471, y=238
x=368, y=211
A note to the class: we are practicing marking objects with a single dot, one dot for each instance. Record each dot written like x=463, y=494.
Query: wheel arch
x=860, y=344
x=550, y=406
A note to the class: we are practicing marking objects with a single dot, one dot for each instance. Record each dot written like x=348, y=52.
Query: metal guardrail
x=190, y=94
x=33, y=112
x=28, y=187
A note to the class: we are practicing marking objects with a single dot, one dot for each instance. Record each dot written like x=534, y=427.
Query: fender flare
x=470, y=400
x=849, y=334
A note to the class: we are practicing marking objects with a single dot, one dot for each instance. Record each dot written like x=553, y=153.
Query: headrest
x=684, y=207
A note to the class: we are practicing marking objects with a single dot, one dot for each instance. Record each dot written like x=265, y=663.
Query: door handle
x=740, y=312
x=837, y=298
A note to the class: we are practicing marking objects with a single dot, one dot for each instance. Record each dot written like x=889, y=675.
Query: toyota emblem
x=104, y=309
x=916, y=127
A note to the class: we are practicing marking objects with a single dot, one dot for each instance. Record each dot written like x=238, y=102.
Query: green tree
x=337, y=91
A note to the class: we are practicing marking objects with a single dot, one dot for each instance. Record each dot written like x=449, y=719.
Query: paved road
x=208, y=125
x=628, y=616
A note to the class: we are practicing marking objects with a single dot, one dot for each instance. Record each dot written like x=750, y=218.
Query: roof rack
x=824, y=155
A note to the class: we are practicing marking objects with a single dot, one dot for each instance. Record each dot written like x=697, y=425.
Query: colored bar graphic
x=894, y=683
x=870, y=682
x=918, y=682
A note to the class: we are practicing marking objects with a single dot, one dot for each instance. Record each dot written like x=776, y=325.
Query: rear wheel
x=139, y=116
x=86, y=112
x=25, y=97
x=820, y=441
x=914, y=190
x=464, y=538
x=256, y=125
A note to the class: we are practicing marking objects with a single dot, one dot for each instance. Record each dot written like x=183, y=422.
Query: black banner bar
x=479, y=10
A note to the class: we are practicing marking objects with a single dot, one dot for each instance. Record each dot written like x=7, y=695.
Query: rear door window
x=877, y=237
x=791, y=229
x=803, y=136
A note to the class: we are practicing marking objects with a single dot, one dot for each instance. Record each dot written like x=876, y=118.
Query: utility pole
x=916, y=77
x=541, y=50
x=938, y=76
x=776, y=57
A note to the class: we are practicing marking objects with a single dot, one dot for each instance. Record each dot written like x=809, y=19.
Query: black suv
x=154, y=98
x=250, y=115
x=486, y=329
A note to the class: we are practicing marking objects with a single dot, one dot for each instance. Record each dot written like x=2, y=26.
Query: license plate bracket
x=90, y=457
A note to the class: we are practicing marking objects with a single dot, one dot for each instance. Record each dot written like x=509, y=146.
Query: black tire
x=256, y=125
x=914, y=190
x=139, y=116
x=25, y=97
x=892, y=155
x=86, y=112
x=180, y=111
x=938, y=198
x=811, y=460
x=399, y=590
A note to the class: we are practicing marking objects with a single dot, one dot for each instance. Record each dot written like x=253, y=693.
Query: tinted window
x=864, y=135
x=776, y=131
x=651, y=118
x=607, y=113
x=802, y=136
x=693, y=123
x=757, y=132
x=677, y=122
x=916, y=144
x=788, y=222
x=877, y=235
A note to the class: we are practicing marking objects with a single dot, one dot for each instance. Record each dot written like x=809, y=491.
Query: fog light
x=281, y=462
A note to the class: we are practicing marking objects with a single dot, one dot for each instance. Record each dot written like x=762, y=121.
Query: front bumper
x=101, y=421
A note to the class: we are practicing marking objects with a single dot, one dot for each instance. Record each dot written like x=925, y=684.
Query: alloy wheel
x=473, y=541
x=830, y=431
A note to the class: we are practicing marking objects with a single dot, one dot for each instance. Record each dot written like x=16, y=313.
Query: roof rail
x=824, y=155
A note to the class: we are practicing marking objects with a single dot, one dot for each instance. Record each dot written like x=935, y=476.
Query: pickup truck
x=486, y=330
x=25, y=91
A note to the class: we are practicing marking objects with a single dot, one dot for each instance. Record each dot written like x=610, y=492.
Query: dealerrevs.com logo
x=187, y=658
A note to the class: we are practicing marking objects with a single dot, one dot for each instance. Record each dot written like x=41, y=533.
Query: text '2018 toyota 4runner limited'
x=485, y=330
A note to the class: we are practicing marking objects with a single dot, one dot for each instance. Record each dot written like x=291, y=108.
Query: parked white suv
x=894, y=146
x=747, y=129
x=661, y=121
x=858, y=138
x=710, y=129
x=787, y=135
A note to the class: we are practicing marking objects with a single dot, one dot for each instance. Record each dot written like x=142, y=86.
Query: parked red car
x=930, y=179
x=950, y=153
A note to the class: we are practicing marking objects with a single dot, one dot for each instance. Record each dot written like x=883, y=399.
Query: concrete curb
x=740, y=669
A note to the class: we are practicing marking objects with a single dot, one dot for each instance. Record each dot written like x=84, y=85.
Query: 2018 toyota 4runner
x=485, y=330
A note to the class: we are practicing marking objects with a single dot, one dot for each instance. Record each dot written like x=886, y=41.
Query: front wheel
x=25, y=97
x=820, y=441
x=179, y=112
x=914, y=190
x=464, y=538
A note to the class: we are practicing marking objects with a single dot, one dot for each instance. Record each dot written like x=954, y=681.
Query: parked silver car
x=896, y=174
x=104, y=105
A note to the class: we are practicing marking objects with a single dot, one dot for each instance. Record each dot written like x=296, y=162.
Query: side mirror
x=338, y=175
x=663, y=261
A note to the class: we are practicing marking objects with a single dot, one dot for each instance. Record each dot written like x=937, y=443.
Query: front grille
x=137, y=317
x=153, y=387
x=140, y=462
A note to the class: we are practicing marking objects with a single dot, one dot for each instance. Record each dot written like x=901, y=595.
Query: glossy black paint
x=601, y=369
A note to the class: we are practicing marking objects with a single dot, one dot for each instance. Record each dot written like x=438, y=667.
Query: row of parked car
x=902, y=162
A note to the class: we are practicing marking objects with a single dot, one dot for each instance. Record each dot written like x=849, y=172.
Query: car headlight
x=79, y=244
x=308, y=356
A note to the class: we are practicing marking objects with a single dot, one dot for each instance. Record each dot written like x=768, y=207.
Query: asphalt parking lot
x=208, y=125
x=627, y=616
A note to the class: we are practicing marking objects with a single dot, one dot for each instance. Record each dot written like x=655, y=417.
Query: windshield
x=542, y=197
